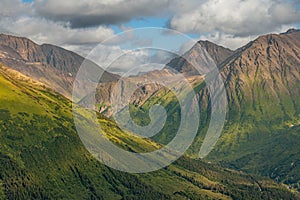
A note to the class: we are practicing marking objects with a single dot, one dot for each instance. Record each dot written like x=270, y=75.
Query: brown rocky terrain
x=218, y=54
x=105, y=91
x=266, y=73
x=49, y=64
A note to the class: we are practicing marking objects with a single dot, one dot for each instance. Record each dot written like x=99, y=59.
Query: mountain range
x=260, y=137
x=261, y=133
x=261, y=79
x=50, y=162
x=49, y=64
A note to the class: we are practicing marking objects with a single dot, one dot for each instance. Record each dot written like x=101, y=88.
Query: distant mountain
x=105, y=91
x=118, y=91
x=218, y=53
x=42, y=157
x=49, y=64
x=57, y=67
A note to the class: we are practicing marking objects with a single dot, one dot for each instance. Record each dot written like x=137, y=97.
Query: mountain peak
x=50, y=64
x=292, y=30
x=218, y=53
x=13, y=38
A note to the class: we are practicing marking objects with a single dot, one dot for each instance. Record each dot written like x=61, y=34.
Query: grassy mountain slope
x=41, y=157
x=263, y=87
x=261, y=133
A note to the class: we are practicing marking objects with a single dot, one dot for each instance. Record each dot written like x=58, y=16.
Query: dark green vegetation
x=262, y=129
x=41, y=157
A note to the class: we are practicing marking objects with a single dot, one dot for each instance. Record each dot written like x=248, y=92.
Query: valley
x=257, y=156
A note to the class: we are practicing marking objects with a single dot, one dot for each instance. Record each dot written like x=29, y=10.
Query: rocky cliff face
x=118, y=91
x=195, y=55
x=266, y=76
x=25, y=48
x=49, y=64
x=144, y=92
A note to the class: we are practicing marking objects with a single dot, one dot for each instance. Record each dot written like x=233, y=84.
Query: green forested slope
x=41, y=157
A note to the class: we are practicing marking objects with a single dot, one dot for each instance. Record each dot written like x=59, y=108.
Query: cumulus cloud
x=20, y=19
x=227, y=40
x=41, y=30
x=234, y=22
x=13, y=8
x=129, y=62
x=80, y=25
x=234, y=42
x=236, y=17
x=95, y=12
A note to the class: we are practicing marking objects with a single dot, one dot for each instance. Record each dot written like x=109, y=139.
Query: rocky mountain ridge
x=49, y=64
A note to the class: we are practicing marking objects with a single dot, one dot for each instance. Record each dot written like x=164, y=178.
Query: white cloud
x=234, y=23
x=227, y=40
x=236, y=17
x=116, y=60
x=95, y=12
x=80, y=25
x=41, y=30
x=13, y=8
x=19, y=19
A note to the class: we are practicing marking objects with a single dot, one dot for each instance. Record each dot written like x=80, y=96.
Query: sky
x=81, y=25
